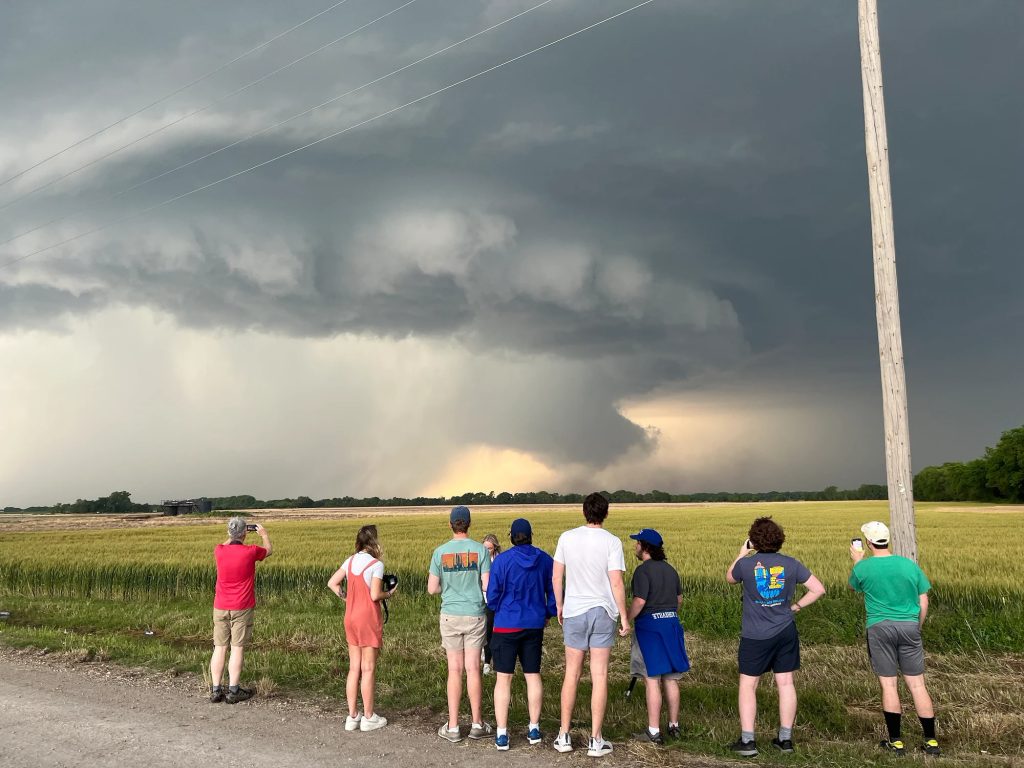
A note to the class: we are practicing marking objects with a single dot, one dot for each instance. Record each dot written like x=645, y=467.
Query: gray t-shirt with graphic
x=769, y=580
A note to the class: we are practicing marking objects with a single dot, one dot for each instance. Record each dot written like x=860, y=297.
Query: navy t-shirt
x=769, y=580
x=658, y=583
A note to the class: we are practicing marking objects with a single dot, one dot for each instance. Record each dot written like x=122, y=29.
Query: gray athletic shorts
x=895, y=647
x=594, y=629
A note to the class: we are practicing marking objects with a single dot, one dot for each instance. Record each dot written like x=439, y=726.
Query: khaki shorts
x=233, y=627
x=463, y=632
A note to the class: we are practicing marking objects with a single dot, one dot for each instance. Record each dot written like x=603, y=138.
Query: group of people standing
x=495, y=605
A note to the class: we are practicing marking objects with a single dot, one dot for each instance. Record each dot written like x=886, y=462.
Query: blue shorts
x=523, y=644
x=594, y=629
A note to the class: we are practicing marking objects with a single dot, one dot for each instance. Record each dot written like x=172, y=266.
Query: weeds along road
x=57, y=714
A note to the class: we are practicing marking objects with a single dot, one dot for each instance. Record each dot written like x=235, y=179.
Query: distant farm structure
x=174, y=507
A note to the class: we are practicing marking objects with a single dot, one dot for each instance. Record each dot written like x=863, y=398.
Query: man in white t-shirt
x=592, y=563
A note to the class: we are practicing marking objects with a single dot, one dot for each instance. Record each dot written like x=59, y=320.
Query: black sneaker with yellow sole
x=896, y=747
x=931, y=747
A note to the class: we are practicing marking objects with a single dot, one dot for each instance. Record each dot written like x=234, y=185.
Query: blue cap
x=649, y=536
x=460, y=513
x=521, y=526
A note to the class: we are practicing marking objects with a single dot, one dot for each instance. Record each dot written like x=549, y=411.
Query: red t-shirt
x=236, y=576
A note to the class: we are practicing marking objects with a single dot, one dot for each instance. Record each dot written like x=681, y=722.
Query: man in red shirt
x=234, y=607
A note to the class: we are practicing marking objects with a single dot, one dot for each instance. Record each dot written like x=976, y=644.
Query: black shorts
x=780, y=653
x=523, y=644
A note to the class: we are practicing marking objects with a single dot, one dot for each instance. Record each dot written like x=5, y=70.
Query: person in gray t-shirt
x=768, y=638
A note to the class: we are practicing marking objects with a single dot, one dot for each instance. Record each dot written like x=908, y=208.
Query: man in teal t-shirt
x=459, y=570
x=896, y=599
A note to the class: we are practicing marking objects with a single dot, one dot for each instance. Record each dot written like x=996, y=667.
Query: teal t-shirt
x=891, y=587
x=460, y=564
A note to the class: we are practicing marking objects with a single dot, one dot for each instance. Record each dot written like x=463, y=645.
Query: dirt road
x=55, y=713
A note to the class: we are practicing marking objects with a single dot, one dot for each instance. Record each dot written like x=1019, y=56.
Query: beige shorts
x=463, y=632
x=233, y=627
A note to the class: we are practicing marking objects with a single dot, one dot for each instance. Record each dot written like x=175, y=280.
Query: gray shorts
x=637, y=668
x=895, y=647
x=594, y=629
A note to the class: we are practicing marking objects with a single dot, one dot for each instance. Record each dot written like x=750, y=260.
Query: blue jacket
x=519, y=590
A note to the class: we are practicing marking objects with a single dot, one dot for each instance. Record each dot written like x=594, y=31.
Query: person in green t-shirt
x=459, y=570
x=896, y=598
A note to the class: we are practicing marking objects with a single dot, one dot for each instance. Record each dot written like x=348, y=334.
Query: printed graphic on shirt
x=770, y=583
x=459, y=562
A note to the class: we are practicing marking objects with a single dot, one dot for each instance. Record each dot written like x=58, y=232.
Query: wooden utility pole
x=887, y=301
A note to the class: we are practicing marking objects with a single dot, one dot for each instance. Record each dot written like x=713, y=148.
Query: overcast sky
x=640, y=258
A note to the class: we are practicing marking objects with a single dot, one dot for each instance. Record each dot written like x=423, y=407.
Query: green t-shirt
x=459, y=564
x=891, y=587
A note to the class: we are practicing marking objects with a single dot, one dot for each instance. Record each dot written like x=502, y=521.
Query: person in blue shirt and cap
x=522, y=597
x=659, y=649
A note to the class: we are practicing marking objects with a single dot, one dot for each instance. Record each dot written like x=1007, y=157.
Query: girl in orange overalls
x=364, y=625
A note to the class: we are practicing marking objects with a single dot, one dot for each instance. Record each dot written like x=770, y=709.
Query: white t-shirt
x=588, y=554
x=359, y=562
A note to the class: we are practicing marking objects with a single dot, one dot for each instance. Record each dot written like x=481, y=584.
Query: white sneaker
x=487, y=669
x=563, y=743
x=352, y=723
x=373, y=722
x=599, y=747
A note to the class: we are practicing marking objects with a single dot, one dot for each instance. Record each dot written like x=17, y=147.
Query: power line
x=173, y=93
x=352, y=127
x=260, y=132
x=195, y=112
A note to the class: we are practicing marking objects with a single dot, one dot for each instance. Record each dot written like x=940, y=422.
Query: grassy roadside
x=300, y=648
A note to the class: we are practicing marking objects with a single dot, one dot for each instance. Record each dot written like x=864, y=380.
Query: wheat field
x=143, y=595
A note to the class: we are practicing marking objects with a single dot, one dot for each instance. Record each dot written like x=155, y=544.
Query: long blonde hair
x=366, y=541
x=494, y=542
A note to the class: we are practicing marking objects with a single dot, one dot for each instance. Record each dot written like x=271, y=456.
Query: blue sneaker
x=535, y=736
x=501, y=742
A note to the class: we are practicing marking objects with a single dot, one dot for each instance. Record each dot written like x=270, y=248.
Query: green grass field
x=96, y=592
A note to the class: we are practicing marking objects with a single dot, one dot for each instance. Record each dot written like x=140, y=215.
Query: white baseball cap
x=876, y=532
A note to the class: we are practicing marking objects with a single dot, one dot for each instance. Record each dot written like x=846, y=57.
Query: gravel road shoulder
x=57, y=713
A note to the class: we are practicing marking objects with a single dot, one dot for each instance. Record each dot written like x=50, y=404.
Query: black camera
x=251, y=527
x=390, y=581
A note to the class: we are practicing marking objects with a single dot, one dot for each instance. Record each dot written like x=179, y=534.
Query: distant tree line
x=117, y=503
x=996, y=476
x=481, y=498
x=120, y=502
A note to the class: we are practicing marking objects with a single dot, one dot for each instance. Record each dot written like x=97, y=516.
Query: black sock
x=928, y=726
x=892, y=724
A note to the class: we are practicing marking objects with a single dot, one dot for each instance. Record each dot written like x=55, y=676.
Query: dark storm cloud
x=679, y=192
x=31, y=307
